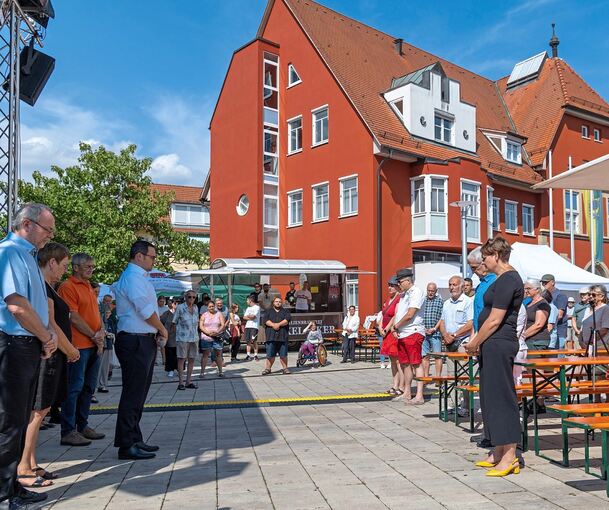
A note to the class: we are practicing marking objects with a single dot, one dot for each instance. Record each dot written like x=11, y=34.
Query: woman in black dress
x=52, y=383
x=497, y=345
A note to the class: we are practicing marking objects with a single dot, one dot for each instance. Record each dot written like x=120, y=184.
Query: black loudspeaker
x=36, y=68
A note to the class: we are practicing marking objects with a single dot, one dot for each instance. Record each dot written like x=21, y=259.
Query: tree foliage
x=104, y=203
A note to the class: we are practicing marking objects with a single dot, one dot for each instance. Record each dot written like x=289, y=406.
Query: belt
x=18, y=337
x=151, y=335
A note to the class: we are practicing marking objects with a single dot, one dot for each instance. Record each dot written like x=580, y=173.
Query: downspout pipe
x=379, y=236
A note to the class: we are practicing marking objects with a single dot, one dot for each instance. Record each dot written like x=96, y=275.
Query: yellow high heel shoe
x=485, y=464
x=513, y=468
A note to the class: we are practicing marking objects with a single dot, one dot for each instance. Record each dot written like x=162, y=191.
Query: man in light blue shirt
x=457, y=316
x=25, y=335
x=140, y=331
x=474, y=259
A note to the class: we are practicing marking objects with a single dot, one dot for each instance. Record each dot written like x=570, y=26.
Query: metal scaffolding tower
x=16, y=31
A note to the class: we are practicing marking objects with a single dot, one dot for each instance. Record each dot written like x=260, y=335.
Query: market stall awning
x=593, y=175
x=273, y=266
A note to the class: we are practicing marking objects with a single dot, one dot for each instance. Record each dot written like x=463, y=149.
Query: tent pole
x=590, y=227
x=551, y=201
x=571, y=230
x=230, y=290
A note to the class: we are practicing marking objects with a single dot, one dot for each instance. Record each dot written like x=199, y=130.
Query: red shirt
x=388, y=310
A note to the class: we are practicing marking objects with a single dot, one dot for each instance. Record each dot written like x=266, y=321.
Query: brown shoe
x=75, y=438
x=89, y=433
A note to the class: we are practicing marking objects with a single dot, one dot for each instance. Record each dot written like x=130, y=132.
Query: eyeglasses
x=88, y=266
x=48, y=230
x=153, y=257
x=595, y=294
x=190, y=297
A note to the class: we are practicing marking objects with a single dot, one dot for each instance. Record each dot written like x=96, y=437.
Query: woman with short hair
x=211, y=324
x=538, y=310
x=497, y=345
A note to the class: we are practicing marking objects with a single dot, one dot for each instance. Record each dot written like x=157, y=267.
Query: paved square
x=347, y=455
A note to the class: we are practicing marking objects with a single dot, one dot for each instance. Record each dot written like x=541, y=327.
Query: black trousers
x=348, y=348
x=498, y=400
x=136, y=354
x=19, y=366
x=235, y=344
x=171, y=359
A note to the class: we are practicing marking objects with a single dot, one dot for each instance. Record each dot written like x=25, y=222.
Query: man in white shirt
x=456, y=324
x=139, y=332
x=303, y=298
x=409, y=327
x=252, y=318
x=350, y=333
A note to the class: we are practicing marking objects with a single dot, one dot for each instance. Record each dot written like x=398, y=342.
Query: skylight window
x=526, y=70
x=293, y=76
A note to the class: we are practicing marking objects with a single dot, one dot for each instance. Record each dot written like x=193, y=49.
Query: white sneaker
x=382, y=365
x=170, y=373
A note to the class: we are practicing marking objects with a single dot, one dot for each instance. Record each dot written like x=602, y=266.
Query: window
x=295, y=208
x=294, y=135
x=511, y=217
x=513, y=152
x=489, y=211
x=597, y=135
x=429, y=207
x=270, y=151
x=243, y=205
x=470, y=192
x=352, y=285
x=320, y=202
x=443, y=129
x=585, y=131
x=320, y=125
x=348, y=196
x=293, y=76
x=270, y=89
x=528, y=219
x=572, y=210
x=496, y=213
x=398, y=106
x=191, y=215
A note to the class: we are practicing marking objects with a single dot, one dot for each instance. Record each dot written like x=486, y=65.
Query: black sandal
x=392, y=391
x=192, y=386
x=38, y=481
x=266, y=371
x=47, y=475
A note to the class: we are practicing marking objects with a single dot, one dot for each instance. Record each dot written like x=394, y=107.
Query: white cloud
x=168, y=169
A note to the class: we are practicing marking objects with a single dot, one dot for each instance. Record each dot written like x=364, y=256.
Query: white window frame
x=516, y=146
x=427, y=212
x=470, y=238
x=341, y=182
x=189, y=223
x=272, y=88
x=313, y=125
x=352, y=285
x=532, y=231
x=515, y=204
x=314, y=188
x=577, y=224
x=396, y=109
x=585, y=131
x=291, y=150
x=291, y=222
x=597, y=134
x=444, y=118
x=489, y=211
x=496, y=208
x=290, y=82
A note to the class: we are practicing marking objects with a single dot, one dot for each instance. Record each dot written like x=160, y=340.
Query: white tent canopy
x=592, y=175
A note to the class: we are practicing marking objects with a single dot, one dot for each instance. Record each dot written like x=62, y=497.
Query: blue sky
x=149, y=71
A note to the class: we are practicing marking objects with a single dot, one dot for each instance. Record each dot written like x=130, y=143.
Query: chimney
x=397, y=44
x=554, y=42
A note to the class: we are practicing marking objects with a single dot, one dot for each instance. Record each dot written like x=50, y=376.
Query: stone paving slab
x=340, y=456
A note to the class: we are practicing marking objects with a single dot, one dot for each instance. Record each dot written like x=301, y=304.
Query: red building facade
x=332, y=140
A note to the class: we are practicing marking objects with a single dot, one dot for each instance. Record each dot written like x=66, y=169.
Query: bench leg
x=525, y=425
x=587, y=451
x=565, y=444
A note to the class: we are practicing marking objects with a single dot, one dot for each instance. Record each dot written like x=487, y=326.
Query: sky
x=149, y=72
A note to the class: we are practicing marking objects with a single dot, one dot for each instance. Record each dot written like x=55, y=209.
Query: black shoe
x=147, y=447
x=134, y=453
x=485, y=443
x=343, y=361
x=476, y=439
x=94, y=400
x=103, y=390
x=16, y=503
x=30, y=497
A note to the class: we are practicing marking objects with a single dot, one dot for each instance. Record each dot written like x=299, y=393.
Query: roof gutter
x=379, y=231
x=510, y=183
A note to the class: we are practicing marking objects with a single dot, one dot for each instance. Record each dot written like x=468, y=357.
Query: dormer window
x=293, y=76
x=513, y=152
x=443, y=127
x=398, y=106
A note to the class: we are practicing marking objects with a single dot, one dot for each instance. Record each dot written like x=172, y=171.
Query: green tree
x=104, y=203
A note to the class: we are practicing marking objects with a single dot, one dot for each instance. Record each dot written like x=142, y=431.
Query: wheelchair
x=320, y=357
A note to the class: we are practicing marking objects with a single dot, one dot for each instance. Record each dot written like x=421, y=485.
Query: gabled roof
x=418, y=77
x=537, y=107
x=182, y=194
x=364, y=62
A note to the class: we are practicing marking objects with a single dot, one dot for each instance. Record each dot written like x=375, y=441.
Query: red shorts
x=409, y=349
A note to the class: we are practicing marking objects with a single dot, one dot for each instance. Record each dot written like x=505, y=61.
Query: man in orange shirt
x=88, y=337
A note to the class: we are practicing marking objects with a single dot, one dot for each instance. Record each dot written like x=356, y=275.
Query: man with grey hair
x=432, y=313
x=25, y=336
x=474, y=259
x=88, y=337
x=457, y=316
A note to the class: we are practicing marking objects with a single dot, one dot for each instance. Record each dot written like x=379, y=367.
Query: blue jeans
x=82, y=381
x=557, y=342
x=381, y=357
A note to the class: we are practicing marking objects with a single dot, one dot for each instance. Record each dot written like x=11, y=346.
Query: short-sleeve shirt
x=579, y=310
x=456, y=313
x=187, y=323
x=485, y=282
x=302, y=300
x=254, y=311
x=212, y=322
x=136, y=300
x=389, y=308
x=432, y=313
x=505, y=293
x=601, y=316
x=19, y=274
x=277, y=316
x=412, y=298
x=559, y=300
x=265, y=300
x=79, y=296
x=290, y=297
x=543, y=333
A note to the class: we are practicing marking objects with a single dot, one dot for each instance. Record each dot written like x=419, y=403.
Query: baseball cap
x=571, y=300
x=393, y=281
x=584, y=290
x=548, y=277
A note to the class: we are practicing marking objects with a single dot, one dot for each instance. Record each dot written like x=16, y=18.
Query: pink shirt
x=211, y=322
